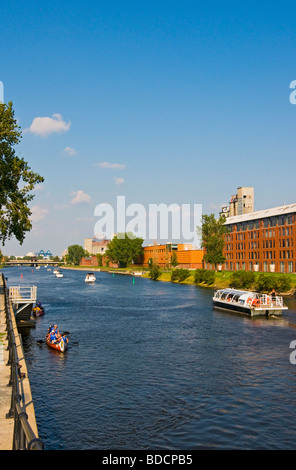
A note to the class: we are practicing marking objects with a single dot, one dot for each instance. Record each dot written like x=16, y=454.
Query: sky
x=162, y=102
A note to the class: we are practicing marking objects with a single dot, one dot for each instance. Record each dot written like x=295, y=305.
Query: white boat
x=58, y=274
x=90, y=277
x=250, y=303
x=55, y=271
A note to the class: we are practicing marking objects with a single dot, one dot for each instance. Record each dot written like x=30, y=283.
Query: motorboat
x=59, y=274
x=250, y=303
x=55, y=271
x=90, y=277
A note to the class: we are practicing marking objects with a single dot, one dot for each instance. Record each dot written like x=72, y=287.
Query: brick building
x=94, y=246
x=161, y=254
x=262, y=241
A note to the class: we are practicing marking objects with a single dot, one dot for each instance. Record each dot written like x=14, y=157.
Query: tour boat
x=250, y=303
x=90, y=277
x=60, y=346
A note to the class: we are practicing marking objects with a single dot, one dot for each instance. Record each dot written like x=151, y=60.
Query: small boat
x=58, y=345
x=250, y=303
x=58, y=274
x=61, y=345
x=55, y=271
x=90, y=277
x=38, y=310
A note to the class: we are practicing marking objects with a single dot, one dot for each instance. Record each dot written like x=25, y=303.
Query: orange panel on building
x=161, y=255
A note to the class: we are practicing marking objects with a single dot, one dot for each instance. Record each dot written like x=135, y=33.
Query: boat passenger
x=273, y=294
x=50, y=330
x=65, y=338
x=53, y=337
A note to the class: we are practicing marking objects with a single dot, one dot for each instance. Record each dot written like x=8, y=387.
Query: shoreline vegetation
x=284, y=284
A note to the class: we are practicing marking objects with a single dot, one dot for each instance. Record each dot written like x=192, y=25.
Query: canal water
x=152, y=365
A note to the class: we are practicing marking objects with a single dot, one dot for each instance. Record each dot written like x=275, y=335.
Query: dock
x=18, y=426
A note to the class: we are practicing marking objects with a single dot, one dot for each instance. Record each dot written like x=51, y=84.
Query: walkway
x=6, y=425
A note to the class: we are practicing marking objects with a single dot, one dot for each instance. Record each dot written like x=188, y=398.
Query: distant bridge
x=39, y=262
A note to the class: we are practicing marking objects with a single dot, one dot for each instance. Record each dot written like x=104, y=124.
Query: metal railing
x=24, y=437
x=267, y=300
x=23, y=294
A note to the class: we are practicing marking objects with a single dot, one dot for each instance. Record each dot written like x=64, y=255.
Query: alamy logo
x=293, y=94
x=173, y=222
x=1, y=92
x=293, y=353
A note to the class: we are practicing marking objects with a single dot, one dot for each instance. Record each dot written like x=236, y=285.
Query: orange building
x=187, y=257
x=262, y=241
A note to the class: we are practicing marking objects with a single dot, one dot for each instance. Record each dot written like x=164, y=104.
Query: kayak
x=60, y=346
x=38, y=311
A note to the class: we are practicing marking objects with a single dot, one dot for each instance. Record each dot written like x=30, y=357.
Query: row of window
x=283, y=243
x=268, y=233
x=283, y=254
x=265, y=266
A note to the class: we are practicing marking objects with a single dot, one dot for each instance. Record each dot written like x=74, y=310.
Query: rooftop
x=274, y=211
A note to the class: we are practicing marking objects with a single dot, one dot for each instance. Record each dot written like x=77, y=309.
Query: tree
x=16, y=180
x=124, y=248
x=174, y=259
x=212, y=235
x=75, y=253
x=100, y=259
x=154, y=272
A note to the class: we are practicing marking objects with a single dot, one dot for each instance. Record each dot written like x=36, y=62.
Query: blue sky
x=185, y=101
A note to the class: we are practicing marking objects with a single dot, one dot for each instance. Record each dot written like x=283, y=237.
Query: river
x=152, y=365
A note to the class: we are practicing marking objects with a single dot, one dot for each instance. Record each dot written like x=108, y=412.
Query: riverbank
x=223, y=279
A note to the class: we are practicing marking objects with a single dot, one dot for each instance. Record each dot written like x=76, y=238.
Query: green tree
x=174, y=259
x=154, y=272
x=100, y=259
x=75, y=253
x=124, y=248
x=212, y=235
x=180, y=275
x=16, y=180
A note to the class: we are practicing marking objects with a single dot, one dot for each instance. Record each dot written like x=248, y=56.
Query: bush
x=242, y=279
x=204, y=275
x=180, y=275
x=155, y=272
x=267, y=282
x=284, y=283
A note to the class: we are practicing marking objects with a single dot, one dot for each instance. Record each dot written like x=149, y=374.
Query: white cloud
x=80, y=197
x=110, y=166
x=118, y=181
x=38, y=213
x=70, y=151
x=44, y=126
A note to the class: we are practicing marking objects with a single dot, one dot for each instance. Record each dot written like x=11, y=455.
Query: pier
x=18, y=427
